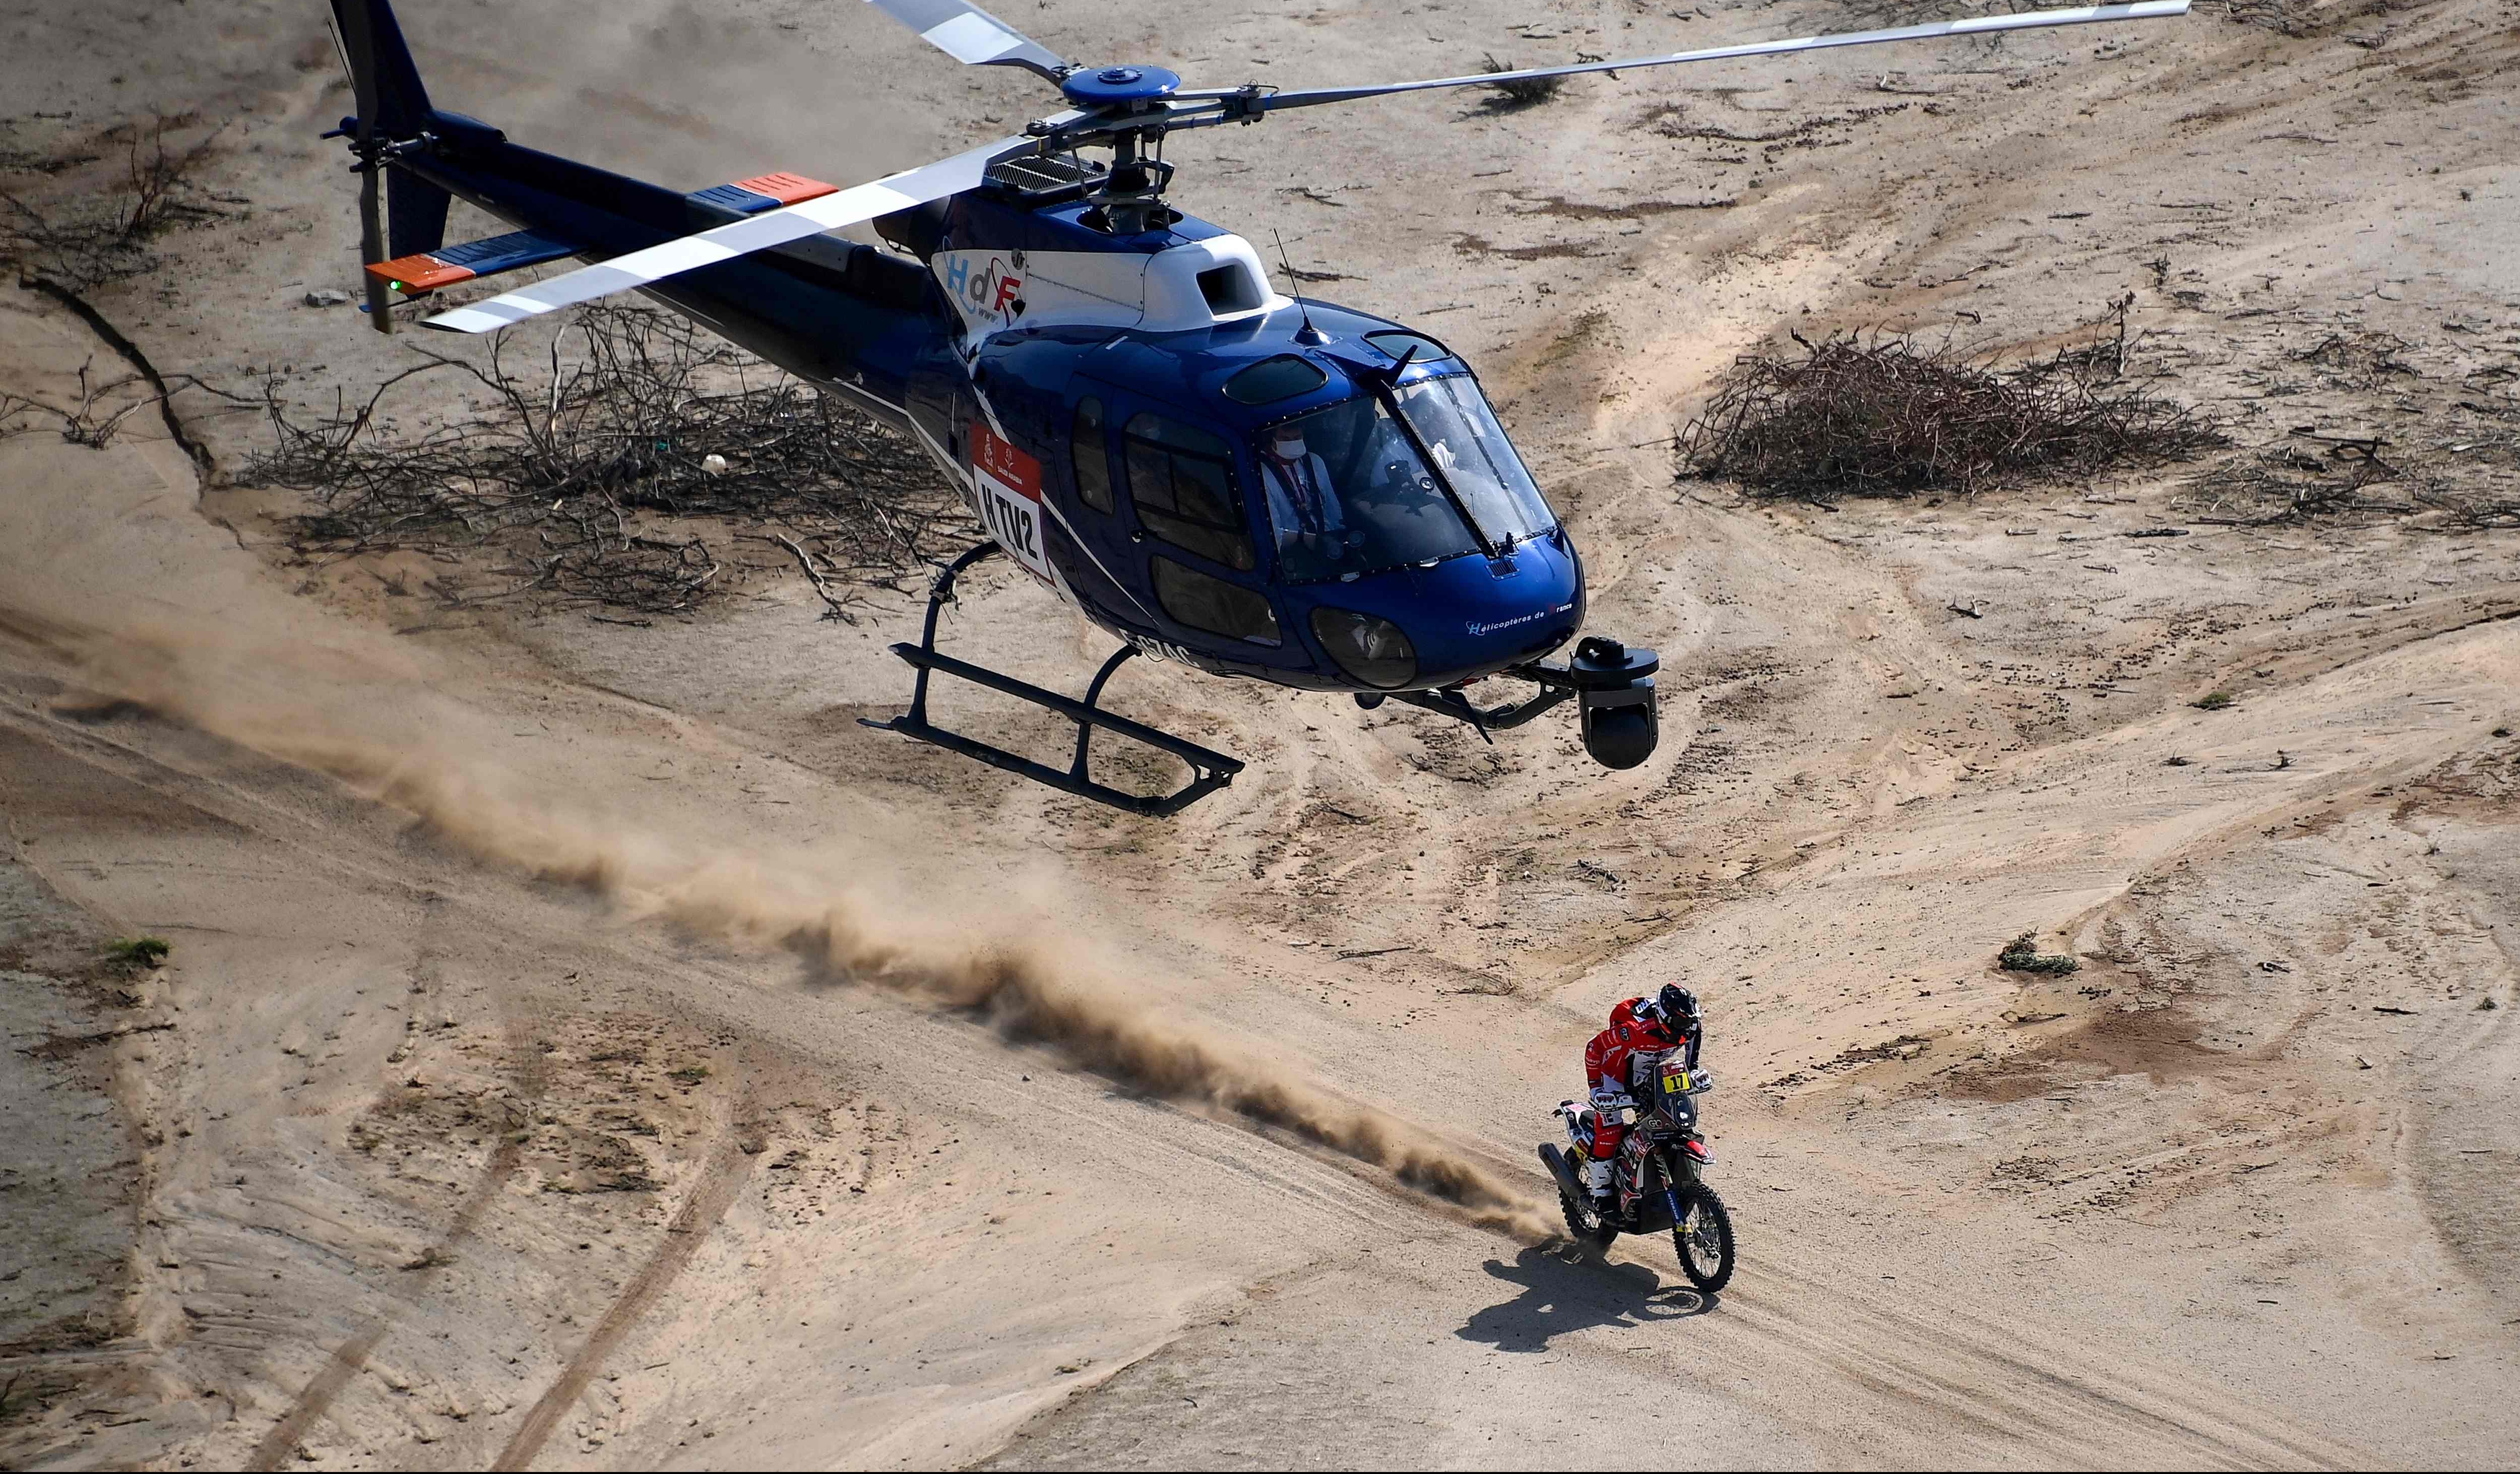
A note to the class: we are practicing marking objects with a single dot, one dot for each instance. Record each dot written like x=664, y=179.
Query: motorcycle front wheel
x=1703, y=1237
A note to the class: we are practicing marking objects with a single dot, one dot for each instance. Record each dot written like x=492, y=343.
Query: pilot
x=1302, y=502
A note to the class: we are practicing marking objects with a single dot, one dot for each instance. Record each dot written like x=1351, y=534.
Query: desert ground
x=582, y=1044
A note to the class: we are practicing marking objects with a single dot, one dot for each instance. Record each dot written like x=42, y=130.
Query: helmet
x=1676, y=1007
x=1646, y=1018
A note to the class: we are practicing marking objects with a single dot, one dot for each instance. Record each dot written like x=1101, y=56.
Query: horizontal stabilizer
x=429, y=270
x=762, y=192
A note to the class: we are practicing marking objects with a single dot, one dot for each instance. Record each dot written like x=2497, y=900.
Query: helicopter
x=1251, y=483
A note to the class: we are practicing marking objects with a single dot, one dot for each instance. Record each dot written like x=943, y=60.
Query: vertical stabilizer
x=401, y=103
x=415, y=214
x=394, y=110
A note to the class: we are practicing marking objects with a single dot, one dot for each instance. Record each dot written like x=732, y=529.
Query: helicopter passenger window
x=1452, y=416
x=1211, y=604
x=1348, y=496
x=1092, y=456
x=1182, y=480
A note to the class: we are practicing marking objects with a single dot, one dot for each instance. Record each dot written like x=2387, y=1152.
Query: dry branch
x=1884, y=417
x=604, y=474
x=90, y=237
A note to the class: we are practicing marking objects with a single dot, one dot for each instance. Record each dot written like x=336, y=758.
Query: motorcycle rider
x=1639, y=1027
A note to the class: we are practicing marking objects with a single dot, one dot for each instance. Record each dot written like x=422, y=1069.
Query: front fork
x=1677, y=1172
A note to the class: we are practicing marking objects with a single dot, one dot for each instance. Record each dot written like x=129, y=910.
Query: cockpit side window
x=1182, y=481
x=1092, y=456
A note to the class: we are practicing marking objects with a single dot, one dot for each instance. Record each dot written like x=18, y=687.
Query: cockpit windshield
x=1460, y=432
x=1348, y=493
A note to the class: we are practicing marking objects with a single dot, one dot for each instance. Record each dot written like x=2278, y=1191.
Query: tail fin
x=415, y=209
x=415, y=214
x=402, y=104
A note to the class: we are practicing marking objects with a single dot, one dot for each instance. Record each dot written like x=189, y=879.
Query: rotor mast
x=1127, y=108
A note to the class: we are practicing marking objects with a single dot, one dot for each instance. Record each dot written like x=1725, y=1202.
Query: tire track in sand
x=350, y=1358
x=711, y=1196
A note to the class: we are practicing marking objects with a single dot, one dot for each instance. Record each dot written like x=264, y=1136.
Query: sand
x=583, y=1045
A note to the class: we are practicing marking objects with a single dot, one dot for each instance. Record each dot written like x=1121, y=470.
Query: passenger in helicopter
x=1348, y=495
x=1302, y=502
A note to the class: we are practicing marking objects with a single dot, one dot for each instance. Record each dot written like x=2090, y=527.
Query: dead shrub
x=617, y=474
x=1522, y=92
x=1886, y=416
x=93, y=419
x=99, y=233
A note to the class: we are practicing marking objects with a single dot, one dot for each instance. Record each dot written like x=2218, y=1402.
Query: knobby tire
x=1702, y=1201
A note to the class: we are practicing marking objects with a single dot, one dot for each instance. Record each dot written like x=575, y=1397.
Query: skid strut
x=1209, y=770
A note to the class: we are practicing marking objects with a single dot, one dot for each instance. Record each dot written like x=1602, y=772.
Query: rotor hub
x=1119, y=86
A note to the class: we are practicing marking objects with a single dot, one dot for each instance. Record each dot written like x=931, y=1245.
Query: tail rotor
x=359, y=51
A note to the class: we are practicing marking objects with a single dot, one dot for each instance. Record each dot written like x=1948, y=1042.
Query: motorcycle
x=1655, y=1178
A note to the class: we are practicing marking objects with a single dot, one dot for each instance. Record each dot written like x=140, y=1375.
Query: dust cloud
x=273, y=701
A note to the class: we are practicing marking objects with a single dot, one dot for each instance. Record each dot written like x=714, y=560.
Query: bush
x=139, y=952
x=100, y=233
x=599, y=476
x=2213, y=700
x=2022, y=954
x=1525, y=92
x=1886, y=418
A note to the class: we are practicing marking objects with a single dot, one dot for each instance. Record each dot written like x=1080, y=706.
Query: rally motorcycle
x=1655, y=1179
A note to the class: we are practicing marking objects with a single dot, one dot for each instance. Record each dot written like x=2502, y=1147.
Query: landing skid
x=1209, y=770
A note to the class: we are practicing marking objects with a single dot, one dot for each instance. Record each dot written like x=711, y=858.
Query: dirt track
x=574, y=1052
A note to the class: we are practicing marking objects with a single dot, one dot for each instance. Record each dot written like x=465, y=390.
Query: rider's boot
x=1598, y=1179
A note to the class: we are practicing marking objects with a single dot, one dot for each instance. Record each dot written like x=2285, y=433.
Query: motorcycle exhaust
x=1563, y=1171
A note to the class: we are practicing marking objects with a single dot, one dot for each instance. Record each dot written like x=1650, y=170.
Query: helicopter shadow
x=1562, y=1291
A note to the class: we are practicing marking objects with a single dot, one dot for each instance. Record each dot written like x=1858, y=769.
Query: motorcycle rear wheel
x=1589, y=1236
x=1703, y=1239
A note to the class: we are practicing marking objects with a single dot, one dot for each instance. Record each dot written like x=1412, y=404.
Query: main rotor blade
x=2142, y=10
x=973, y=37
x=639, y=268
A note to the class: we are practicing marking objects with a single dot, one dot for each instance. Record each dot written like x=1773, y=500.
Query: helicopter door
x=1195, y=540
x=938, y=404
x=1112, y=576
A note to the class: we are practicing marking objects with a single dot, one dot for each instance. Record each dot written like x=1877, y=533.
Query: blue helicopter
x=1217, y=474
